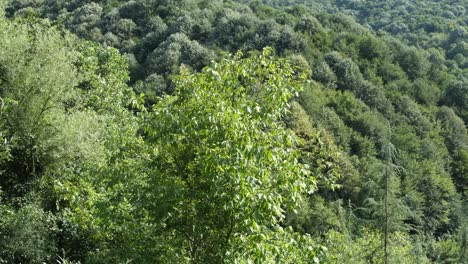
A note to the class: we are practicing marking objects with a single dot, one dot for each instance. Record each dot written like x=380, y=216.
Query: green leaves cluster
x=226, y=160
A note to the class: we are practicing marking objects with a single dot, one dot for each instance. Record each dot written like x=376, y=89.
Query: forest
x=234, y=131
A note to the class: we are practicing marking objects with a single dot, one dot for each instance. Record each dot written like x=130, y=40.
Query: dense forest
x=223, y=131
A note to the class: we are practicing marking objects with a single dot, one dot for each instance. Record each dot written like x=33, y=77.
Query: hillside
x=197, y=131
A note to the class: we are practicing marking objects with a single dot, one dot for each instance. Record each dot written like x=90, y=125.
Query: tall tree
x=228, y=164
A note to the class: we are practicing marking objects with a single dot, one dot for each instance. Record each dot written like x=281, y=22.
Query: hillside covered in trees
x=219, y=131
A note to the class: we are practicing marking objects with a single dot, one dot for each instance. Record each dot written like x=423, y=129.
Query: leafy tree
x=153, y=87
x=459, y=171
x=454, y=129
x=26, y=235
x=440, y=203
x=85, y=18
x=425, y=92
x=177, y=49
x=308, y=24
x=413, y=62
x=36, y=98
x=134, y=10
x=366, y=248
x=347, y=72
x=54, y=88
x=457, y=93
x=372, y=48
x=229, y=189
x=323, y=73
x=415, y=117
x=233, y=28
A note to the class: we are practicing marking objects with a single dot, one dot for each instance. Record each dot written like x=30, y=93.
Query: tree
x=454, y=129
x=233, y=28
x=413, y=62
x=226, y=163
x=198, y=28
x=36, y=95
x=84, y=18
x=309, y=24
x=412, y=112
x=389, y=155
x=325, y=75
x=175, y=50
x=134, y=10
x=425, y=92
x=372, y=48
x=459, y=171
x=54, y=88
x=457, y=93
x=440, y=203
x=347, y=72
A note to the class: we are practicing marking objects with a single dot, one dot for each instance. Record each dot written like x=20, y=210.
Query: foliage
x=353, y=150
x=227, y=161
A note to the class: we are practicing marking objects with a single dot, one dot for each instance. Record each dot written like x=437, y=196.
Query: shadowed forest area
x=224, y=131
